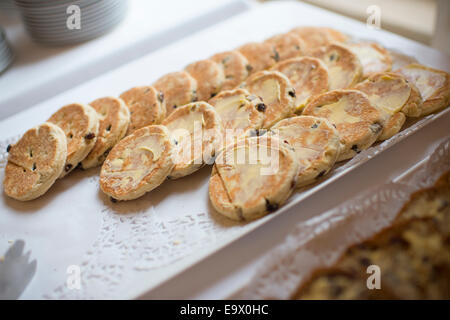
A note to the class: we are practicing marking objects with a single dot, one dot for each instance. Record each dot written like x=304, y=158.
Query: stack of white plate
x=6, y=54
x=55, y=22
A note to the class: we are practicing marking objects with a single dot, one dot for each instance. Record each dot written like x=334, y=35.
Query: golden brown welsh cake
x=309, y=77
x=373, y=57
x=433, y=85
x=138, y=163
x=239, y=112
x=178, y=88
x=358, y=122
x=209, y=76
x=287, y=45
x=252, y=177
x=315, y=142
x=146, y=106
x=260, y=55
x=114, y=119
x=197, y=133
x=80, y=124
x=277, y=93
x=344, y=67
x=35, y=162
x=395, y=97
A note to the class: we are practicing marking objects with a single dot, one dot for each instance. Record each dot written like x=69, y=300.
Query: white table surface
x=40, y=72
x=61, y=229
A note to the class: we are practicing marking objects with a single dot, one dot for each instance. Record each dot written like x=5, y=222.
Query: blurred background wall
x=426, y=21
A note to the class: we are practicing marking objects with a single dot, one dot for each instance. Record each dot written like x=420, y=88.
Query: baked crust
x=138, y=163
x=358, y=122
x=197, y=132
x=413, y=256
x=179, y=88
x=35, y=162
x=209, y=76
x=344, y=68
x=309, y=77
x=260, y=55
x=288, y=45
x=80, y=124
x=425, y=78
x=277, y=93
x=248, y=189
x=315, y=142
x=114, y=119
x=235, y=67
x=146, y=106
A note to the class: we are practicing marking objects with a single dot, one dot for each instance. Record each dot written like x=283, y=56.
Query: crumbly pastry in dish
x=197, y=133
x=288, y=45
x=239, y=112
x=209, y=76
x=413, y=256
x=146, y=105
x=138, y=163
x=235, y=68
x=35, y=162
x=433, y=84
x=308, y=76
x=314, y=37
x=277, y=93
x=344, y=67
x=80, y=124
x=179, y=88
x=315, y=142
x=260, y=55
x=358, y=122
x=373, y=57
x=114, y=119
x=391, y=93
x=252, y=177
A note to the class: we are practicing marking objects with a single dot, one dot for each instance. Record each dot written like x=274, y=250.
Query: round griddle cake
x=277, y=93
x=308, y=76
x=138, y=163
x=178, y=88
x=433, y=85
x=314, y=37
x=146, y=105
x=239, y=111
x=358, y=122
x=35, y=162
x=288, y=45
x=260, y=55
x=373, y=57
x=114, y=120
x=315, y=142
x=197, y=132
x=80, y=124
x=343, y=65
x=235, y=68
x=252, y=177
x=209, y=76
x=395, y=97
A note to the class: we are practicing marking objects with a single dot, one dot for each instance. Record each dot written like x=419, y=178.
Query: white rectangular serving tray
x=171, y=243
